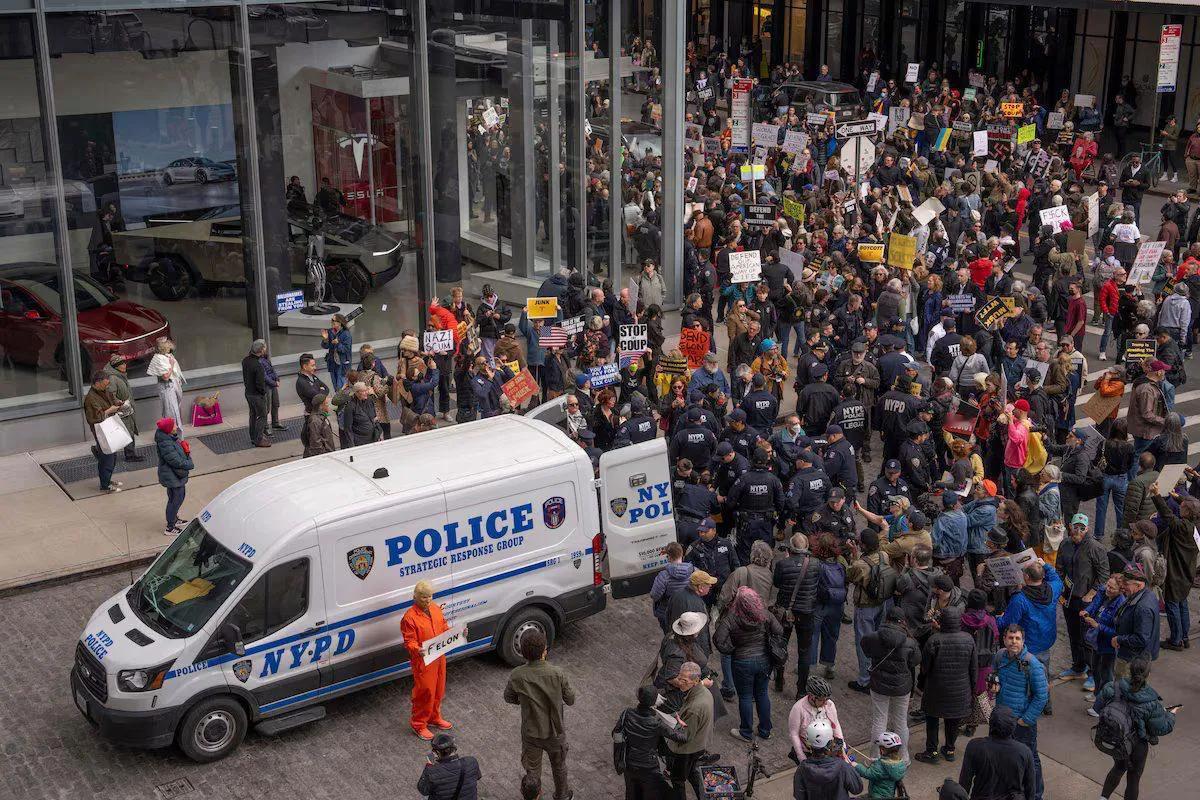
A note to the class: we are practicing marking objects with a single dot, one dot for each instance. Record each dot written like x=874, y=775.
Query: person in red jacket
x=1109, y=298
x=981, y=270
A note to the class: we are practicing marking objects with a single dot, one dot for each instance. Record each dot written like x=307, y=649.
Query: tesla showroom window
x=148, y=104
x=32, y=349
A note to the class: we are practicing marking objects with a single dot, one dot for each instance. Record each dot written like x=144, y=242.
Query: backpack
x=1115, y=732
x=881, y=582
x=831, y=583
x=985, y=646
x=1158, y=570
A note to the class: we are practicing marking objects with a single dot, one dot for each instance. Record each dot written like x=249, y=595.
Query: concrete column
x=674, y=102
x=556, y=75
x=423, y=174
x=616, y=225
x=522, y=109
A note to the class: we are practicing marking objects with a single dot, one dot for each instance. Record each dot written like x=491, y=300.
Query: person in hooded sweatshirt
x=997, y=765
x=673, y=578
x=825, y=774
x=1034, y=610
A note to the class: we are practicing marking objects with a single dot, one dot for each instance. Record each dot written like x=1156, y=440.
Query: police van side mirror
x=231, y=635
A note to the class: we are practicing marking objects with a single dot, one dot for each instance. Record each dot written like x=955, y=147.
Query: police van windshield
x=187, y=584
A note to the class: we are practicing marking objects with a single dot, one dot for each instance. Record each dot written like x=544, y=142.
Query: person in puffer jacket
x=643, y=732
x=1150, y=721
x=743, y=634
x=1034, y=609
x=1023, y=689
x=894, y=659
x=673, y=578
x=440, y=779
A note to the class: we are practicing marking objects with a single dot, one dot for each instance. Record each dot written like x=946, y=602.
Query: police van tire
x=212, y=729
x=528, y=618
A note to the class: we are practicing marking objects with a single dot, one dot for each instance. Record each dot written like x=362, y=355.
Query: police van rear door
x=637, y=515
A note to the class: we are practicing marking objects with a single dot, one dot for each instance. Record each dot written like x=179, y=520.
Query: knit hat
x=1021, y=405
x=166, y=425
x=410, y=343
x=673, y=365
x=581, y=379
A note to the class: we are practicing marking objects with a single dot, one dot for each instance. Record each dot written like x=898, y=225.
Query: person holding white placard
x=424, y=621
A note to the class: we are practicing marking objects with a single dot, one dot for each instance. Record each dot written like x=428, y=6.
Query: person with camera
x=696, y=716
x=447, y=775
x=638, y=737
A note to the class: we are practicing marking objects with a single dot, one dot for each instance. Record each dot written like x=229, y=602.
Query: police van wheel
x=212, y=729
x=526, y=619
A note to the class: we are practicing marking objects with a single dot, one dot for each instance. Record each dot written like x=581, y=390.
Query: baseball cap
x=950, y=499
x=581, y=380
x=892, y=465
x=858, y=347
x=833, y=430
x=837, y=493
x=737, y=415
x=917, y=520
x=1158, y=366
x=916, y=428
x=1080, y=519
x=693, y=415
x=1022, y=405
x=701, y=578
x=724, y=449
x=820, y=371
x=1134, y=572
x=807, y=455
x=998, y=537
x=989, y=486
x=707, y=524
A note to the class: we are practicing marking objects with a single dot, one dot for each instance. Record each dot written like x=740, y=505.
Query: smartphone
x=1175, y=707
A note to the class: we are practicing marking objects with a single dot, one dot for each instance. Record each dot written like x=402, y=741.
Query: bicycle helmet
x=819, y=687
x=818, y=734
x=888, y=739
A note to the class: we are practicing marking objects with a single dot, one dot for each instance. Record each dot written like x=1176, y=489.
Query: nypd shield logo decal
x=619, y=506
x=241, y=670
x=554, y=512
x=361, y=560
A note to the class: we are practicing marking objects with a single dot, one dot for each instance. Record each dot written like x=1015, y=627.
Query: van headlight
x=142, y=680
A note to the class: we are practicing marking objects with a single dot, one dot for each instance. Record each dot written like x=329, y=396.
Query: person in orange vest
x=422, y=622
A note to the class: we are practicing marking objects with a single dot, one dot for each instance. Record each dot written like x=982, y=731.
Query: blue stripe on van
x=369, y=615
x=397, y=669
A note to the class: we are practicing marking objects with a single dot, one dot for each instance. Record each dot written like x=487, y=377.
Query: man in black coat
x=449, y=775
x=998, y=765
x=795, y=579
x=258, y=393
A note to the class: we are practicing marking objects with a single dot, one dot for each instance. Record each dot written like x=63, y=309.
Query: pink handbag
x=206, y=414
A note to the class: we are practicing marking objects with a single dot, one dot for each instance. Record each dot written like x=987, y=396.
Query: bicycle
x=1152, y=162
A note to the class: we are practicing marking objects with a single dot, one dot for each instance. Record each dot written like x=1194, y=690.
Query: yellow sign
x=902, y=250
x=793, y=209
x=1010, y=303
x=1012, y=109
x=541, y=307
x=1026, y=133
x=755, y=172
x=872, y=253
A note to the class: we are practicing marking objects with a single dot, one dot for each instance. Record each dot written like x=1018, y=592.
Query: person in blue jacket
x=1150, y=721
x=1034, y=608
x=339, y=345
x=1023, y=689
x=1137, y=622
x=1100, y=617
x=424, y=389
x=981, y=518
x=950, y=536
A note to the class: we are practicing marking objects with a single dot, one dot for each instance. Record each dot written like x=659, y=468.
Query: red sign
x=694, y=345
x=520, y=389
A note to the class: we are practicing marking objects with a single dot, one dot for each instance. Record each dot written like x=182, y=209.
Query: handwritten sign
x=439, y=341
x=969, y=94
x=1085, y=100
x=1148, y=255
x=763, y=133
x=793, y=209
x=1055, y=216
x=795, y=142
x=541, y=307
x=745, y=267
x=440, y=645
x=928, y=211
x=902, y=250
x=1009, y=109
x=1026, y=134
x=910, y=75
x=521, y=388
x=1055, y=120
x=818, y=120
x=870, y=253
x=992, y=311
x=573, y=325
x=693, y=344
x=979, y=143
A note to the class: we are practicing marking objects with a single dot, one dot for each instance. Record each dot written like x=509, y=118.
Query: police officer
x=857, y=371
x=638, y=428
x=760, y=405
x=834, y=517
x=739, y=434
x=809, y=488
x=889, y=484
x=817, y=351
x=694, y=441
x=914, y=465
x=757, y=499
x=587, y=440
x=714, y=554
x=728, y=467
x=894, y=410
x=682, y=475
x=840, y=460
x=694, y=502
x=816, y=401
x=851, y=416
x=893, y=364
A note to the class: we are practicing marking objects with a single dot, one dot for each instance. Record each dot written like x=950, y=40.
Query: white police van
x=289, y=587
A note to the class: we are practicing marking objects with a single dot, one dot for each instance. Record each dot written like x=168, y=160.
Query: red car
x=31, y=322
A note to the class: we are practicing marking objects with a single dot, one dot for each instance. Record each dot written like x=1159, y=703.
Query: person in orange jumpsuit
x=422, y=622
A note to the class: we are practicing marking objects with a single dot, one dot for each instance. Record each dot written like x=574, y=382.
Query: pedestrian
x=830, y=601
x=982, y=626
x=318, y=431
x=98, y=405
x=671, y=578
x=118, y=373
x=894, y=660
x=308, y=383
x=1033, y=610
x=1177, y=542
x=874, y=582
x=1100, y=620
x=744, y=632
x=258, y=392
x=885, y=773
x=1137, y=627
x=541, y=689
x=170, y=379
x=174, y=465
x=814, y=704
x=421, y=622
x=273, y=386
x=338, y=343
x=947, y=683
x=491, y=316
x=824, y=774
x=1083, y=564
x=639, y=736
x=998, y=765
x=447, y=775
x=1021, y=686
x=696, y=715
x=1135, y=703
x=678, y=647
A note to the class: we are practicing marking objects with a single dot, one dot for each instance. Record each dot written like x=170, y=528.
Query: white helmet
x=888, y=739
x=818, y=734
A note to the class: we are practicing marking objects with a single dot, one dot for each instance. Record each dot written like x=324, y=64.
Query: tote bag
x=112, y=436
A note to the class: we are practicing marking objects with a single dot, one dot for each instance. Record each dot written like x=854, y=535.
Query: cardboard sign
x=712, y=146
x=1140, y=349
x=872, y=81
x=1093, y=211
x=1055, y=216
x=977, y=80
x=439, y=341
x=691, y=184
x=490, y=117
x=753, y=172
x=745, y=267
x=962, y=303
x=910, y=75
x=793, y=209
x=633, y=338
x=795, y=142
x=760, y=216
x=541, y=307
x=1055, y=120
x=694, y=346
x=928, y=211
x=818, y=120
x=1170, y=478
x=905, y=193
x=1009, y=570
x=969, y=94
x=289, y=301
x=1139, y=275
x=573, y=325
x=881, y=121
x=870, y=253
x=1098, y=407
x=962, y=127
x=605, y=375
x=1010, y=109
x=1026, y=134
x=1149, y=254
x=979, y=144
x=1076, y=241
x=902, y=250
x=992, y=311
x=521, y=388
x=762, y=133
x=440, y=645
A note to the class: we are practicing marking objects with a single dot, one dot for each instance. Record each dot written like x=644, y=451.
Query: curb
x=32, y=583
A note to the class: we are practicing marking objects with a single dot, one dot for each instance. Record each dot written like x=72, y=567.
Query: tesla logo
x=359, y=142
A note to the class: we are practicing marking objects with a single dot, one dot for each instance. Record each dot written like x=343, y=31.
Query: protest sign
x=491, y=118
x=763, y=133
x=905, y=193
x=793, y=261
x=573, y=325
x=977, y=80
x=1055, y=216
x=910, y=75
x=1009, y=570
x=1011, y=109
x=1140, y=349
x=816, y=119
x=1085, y=100
x=962, y=126
x=633, y=338
x=928, y=211
x=1076, y=240
x=902, y=250
x=795, y=142
x=1170, y=477
x=693, y=134
x=753, y=172
x=691, y=184
x=712, y=146
x=880, y=120
x=520, y=389
x=605, y=375
x=1098, y=407
x=991, y=165
x=979, y=143
x=993, y=310
x=870, y=253
x=541, y=307
x=693, y=344
x=1042, y=368
x=1093, y=211
x=962, y=303
x=1026, y=133
x=872, y=81
x=969, y=94
x=439, y=341
x=1148, y=256
x=745, y=267
x=1054, y=121
x=760, y=216
x=793, y=209
x=440, y=645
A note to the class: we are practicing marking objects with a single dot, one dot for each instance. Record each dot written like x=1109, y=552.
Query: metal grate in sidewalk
x=82, y=468
x=238, y=439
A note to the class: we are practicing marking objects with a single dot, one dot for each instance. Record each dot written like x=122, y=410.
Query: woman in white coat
x=166, y=369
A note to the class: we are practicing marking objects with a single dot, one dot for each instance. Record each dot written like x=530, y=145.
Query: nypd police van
x=288, y=589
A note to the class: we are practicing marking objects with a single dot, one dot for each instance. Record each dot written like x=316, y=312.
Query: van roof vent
x=380, y=473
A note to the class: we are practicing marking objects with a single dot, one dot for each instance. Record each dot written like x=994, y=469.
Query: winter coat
x=318, y=435
x=744, y=640
x=1150, y=719
x=825, y=778
x=440, y=780
x=948, y=670
x=535, y=354
x=1033, y=608
x=174, y=463
x=651, y=290
x=950, y=534
x=1104, y=611
x=756, y=576
x=1147, y=408
x=1178, y=544
x=118, y=384
x=883, y=774
x=1088, y=563
x=1138, y=626
x=974, y=620
x=338, y=346
x=894, y=656
x=508, y=350
x=1023, y=685
x=997, y=765
x=643, y=734
x=1138, y=501
x=673, y=578
x=491, y=328
x=787, y=572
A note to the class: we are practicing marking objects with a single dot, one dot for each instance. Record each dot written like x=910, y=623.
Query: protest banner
x=541, y=307
x=870, y=253
x=604, y=375
x=693, y=343
x=443, y=643
x=962, y=303
x=439, y=341
x=1011, y=109
x=1140, y=349
x=992, y=311
x=902, y=250
x=1055, y=216
x=745, y=267
x=520, y=389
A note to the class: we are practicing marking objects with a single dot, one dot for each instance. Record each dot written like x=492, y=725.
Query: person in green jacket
x=885, y=772
x=1150, y=721
x=1169, y=136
